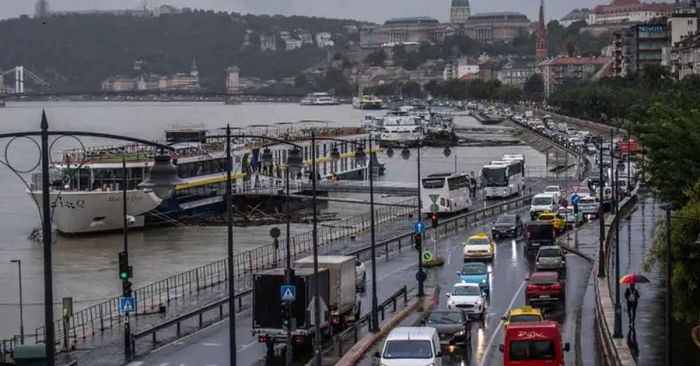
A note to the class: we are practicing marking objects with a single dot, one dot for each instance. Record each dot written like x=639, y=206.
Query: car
x=542, y=202
x=533, y=344
x=453, y=327
x=550, y=258
x=411, y=346
x=360, y=276
x=523, y=314
x=544, y=289
x=469, y=298
x=589, y=206
x=553, y=190
x=558, y=221
x=479, y=247
x=538, y=234
x=507, y=225
x=475, y=272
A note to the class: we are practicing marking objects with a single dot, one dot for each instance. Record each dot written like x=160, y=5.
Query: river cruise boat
x=320, y=99
x=402, y=128
x=369, y=102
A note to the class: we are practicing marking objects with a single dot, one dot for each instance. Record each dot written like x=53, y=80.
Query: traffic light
x=286, y=312
x=124, y=270
x=126, y=288
x=417, y=241
x=434, y=219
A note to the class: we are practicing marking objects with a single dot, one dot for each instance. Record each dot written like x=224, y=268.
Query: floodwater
x=85, y=268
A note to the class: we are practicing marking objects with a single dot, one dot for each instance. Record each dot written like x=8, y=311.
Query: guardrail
x=615, y=352
x=102, y=316
x=177, y=322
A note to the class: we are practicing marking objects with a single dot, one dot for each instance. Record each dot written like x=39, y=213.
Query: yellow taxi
x=558, y=221
x=523, y=314
x=479, y=247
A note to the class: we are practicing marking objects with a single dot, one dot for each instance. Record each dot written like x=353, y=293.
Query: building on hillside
x=459, y=11
x=687, y=56
x=306, y=37
x=268, y=42
x=118, y=84
x=576, y=15
x=487, y=27
x=457, y=69
x=145, y=81
x=628, y=11
x=541, y=36
x=41, y=9
x=684, y=20
x=516, y=71
x=233, y=81
x=284, y=35
x=558, y=70
x=324, y=39
x=644, y=44
x=293, y=44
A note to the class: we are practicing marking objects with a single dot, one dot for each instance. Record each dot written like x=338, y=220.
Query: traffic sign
x=127, y=305
x=434, y=208
x=323, y=314
x=434, y=197
x=575, y=199
x=419, y=227
x=288, y=292
x=427, y=256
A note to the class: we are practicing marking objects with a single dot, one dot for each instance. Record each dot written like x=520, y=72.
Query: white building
x=268, y=42
x=233, y=81
x=292, y=44
x=683, y=22
x=324, y=40
x=628, y=11
x=306, y=38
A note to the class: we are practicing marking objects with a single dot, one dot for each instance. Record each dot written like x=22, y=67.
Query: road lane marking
x=135, y=363
x=246, y=346
x=165, y=364
x=209, y=344
x=180, y=341
x=500, y=325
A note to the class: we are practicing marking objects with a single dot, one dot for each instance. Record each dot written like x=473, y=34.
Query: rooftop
x=412, y=20
x=460, y=3
x=618, y=6
x=578, y=60
x=500, y=15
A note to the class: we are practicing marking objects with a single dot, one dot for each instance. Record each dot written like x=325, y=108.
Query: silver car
x=549, y=258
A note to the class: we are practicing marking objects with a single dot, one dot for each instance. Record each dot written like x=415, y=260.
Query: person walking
x=632, y=297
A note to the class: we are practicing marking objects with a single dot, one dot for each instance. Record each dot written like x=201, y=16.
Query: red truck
x=533, y=344
x=627, y=146
x=545, y=288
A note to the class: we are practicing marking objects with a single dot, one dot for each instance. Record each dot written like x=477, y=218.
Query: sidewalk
x=646, y=339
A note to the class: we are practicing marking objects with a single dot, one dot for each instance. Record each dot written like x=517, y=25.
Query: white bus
x=502, y=179
x=448, y=191
x=515, y=157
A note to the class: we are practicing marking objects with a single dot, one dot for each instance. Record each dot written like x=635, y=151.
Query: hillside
x=77, y=52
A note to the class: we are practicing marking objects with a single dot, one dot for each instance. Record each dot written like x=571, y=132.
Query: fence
x=99, y=317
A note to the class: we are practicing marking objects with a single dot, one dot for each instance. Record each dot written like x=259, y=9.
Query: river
x=85, y=268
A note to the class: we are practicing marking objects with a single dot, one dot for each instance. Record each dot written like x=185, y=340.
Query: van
x=409, y=346
x=532, y=344
x=542, y=202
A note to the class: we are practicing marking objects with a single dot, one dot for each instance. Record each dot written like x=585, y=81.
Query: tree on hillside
x=534, y=87
x=376, y=58
x=335, y=80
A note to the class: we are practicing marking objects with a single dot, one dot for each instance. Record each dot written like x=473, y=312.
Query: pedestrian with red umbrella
x=632, y=295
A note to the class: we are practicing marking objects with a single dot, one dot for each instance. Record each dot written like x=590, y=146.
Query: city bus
x=502, y=179
x=515, y=157
x=448, y=191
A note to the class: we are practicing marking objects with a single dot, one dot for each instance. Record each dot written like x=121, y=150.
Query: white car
x=542, y=202
x=468, y=297
x=411, y=346
x=361, y=276
x=554, y=190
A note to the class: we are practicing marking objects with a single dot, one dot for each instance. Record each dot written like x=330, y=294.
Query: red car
x=533, y=344
x=545, y=288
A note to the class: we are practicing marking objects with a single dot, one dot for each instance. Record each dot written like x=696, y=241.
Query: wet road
x=508, y=283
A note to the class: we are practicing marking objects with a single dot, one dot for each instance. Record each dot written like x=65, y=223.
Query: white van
x=411, y=346
x=542, y=202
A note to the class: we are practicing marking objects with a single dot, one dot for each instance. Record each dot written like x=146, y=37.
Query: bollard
x=102, y=320
x=200, y=320
x=177, y=330
x=154, y=340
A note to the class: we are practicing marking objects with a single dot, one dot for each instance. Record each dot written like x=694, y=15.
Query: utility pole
x=601, y=216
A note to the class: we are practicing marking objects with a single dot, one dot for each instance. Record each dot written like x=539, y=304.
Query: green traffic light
x=124, y=276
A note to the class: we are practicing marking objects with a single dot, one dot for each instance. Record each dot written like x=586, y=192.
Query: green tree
x=376, y=58
x=335, y=80
x=534, y=87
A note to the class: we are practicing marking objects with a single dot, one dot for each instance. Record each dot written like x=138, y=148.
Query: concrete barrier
x=614, y=352
x=360, y=349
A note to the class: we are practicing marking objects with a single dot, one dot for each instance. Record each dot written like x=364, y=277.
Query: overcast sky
x=372, y=10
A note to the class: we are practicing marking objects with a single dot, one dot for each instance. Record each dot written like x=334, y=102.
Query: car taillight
x=532, y=287
x=299, y=339
x=335, y=320
x=262, y=339
x=556, y=286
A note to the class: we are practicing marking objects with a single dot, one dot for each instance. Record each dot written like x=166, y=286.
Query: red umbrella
x=633, y=278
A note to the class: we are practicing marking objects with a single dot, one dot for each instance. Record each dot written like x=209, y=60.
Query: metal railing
x=202, y=321
x=99, y=317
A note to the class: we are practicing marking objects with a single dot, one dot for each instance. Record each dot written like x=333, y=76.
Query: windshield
x=466, y=291
x=542, y=201
x=550, y=252
x=544, y=279
x=552, y=189
x=494, y=177
x=452, y=317
x=408, y=349
x=525, y=318
x=433, y=183
x=507, y=219
x=540, y=232
x=532, y=350
x=478, y=241
x=473, y=269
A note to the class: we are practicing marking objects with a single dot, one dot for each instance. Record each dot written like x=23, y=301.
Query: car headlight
x=460, y=333
x=450, y=302
x=493, y=228
x=483, y=281
x=478, y=302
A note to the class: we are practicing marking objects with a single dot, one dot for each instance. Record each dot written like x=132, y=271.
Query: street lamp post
x=669, y=279
x=21, y=303
x=601, y=216
x=420, y=275
x=317, y=299
x=229, y=246
x=44, y=134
